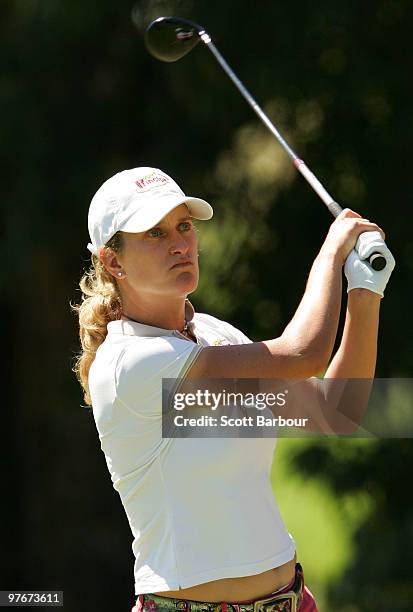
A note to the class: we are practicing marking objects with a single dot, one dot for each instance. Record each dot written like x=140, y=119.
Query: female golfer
x=207, y=530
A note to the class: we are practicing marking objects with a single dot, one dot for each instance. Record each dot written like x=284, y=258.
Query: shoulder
x=133, y=360
x=145, y=362
x=147, y=353
x=207, y=324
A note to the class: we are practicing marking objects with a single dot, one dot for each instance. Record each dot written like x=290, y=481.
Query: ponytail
x=99, y=305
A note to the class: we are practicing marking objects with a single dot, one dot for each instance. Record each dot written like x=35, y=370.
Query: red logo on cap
x=150, y=180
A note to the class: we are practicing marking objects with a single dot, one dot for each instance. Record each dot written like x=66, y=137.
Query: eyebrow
x=186, y=218
x=180, y=220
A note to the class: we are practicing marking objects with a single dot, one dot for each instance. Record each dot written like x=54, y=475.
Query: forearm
x=312, y=330
x=357, y=353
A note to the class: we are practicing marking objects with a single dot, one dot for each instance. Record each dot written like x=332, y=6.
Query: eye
x=155, y=232
x=185, y=226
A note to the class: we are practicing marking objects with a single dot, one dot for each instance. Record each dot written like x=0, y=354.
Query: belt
x=280, y=601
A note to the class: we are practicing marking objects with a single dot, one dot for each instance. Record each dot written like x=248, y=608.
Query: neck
x=166, y=314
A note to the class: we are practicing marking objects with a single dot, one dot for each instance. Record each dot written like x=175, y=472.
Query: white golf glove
x=359, y=273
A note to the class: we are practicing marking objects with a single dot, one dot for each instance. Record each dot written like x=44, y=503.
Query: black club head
x=170, y=38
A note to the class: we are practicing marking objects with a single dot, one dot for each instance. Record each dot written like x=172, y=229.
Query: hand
x=369, y=243
x=346, y=230
x=360, y=275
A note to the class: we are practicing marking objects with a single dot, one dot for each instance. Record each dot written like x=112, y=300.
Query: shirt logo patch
x=219, y=342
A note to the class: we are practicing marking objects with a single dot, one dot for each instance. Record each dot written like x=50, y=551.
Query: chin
x=187, y=282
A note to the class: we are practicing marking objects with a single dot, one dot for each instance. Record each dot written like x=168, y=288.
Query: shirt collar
x=134, y=328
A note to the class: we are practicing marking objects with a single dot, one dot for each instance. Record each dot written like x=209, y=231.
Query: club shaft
x=309, y=176
x=376, y=260
x=256, y=108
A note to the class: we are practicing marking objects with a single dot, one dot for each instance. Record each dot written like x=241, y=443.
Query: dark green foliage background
x=80, y=99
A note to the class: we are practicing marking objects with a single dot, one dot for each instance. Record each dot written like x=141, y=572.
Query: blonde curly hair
x=100, y=304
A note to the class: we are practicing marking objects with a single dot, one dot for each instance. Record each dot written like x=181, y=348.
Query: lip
x=182, y=264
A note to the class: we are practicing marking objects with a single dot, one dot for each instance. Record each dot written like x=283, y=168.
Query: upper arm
x=269, y=359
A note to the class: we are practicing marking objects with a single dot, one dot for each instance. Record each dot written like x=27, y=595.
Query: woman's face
x=162, y=260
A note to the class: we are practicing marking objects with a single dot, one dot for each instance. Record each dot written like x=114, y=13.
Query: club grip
x=377, y=261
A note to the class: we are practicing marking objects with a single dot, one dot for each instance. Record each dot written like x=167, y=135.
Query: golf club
x=171, y=38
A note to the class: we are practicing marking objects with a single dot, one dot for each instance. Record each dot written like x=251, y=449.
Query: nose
x=179, y=245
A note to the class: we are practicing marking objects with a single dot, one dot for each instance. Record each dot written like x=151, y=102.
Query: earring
x=120, y=274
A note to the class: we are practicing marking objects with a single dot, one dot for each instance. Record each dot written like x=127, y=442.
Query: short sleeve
x=223, y=332
x=237, y=335
x=142, y=367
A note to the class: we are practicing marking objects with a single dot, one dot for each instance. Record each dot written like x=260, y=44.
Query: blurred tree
x=380, y=575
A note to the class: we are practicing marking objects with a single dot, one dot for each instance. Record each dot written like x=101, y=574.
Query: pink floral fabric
x=153, y=603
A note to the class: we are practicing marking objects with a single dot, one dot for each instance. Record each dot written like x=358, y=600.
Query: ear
x=109, y=259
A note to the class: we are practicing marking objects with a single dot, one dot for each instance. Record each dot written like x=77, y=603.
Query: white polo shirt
x=200, y=509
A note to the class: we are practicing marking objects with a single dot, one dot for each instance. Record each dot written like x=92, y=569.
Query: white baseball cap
x=134, y=201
